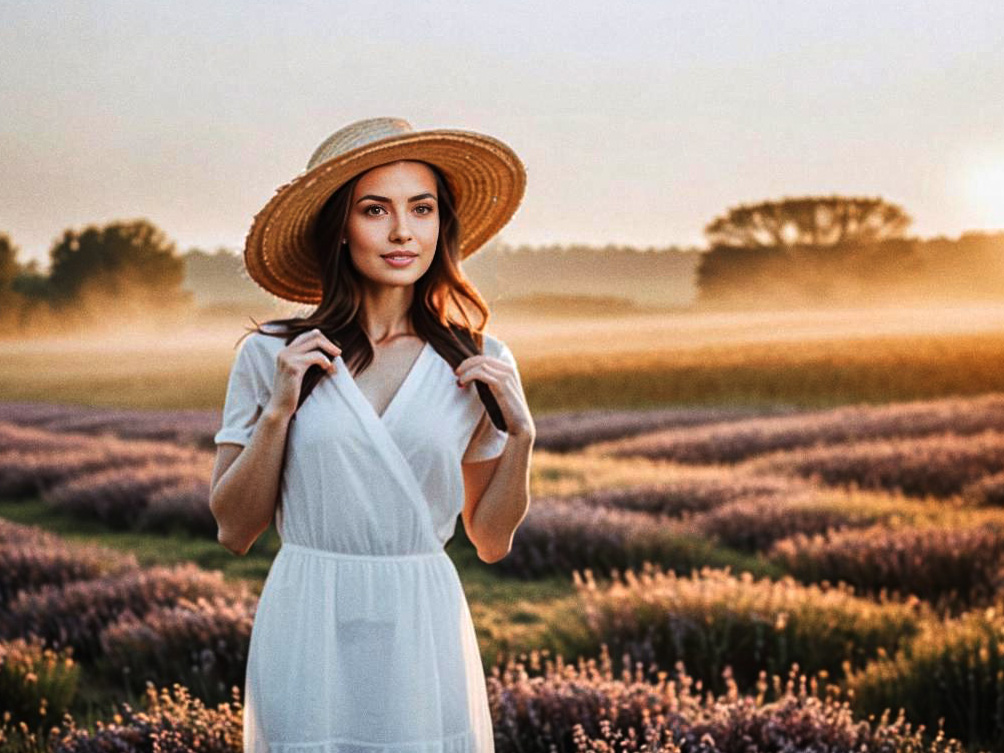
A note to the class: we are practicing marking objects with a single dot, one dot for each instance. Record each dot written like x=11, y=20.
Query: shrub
x=952, y=670
x=713, y=619
x=558, y=536
x=954, y=567
x=201, y=644
x=36, y=683
x=74, y=614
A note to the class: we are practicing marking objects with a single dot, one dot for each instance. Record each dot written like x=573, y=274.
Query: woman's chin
x=392, y=280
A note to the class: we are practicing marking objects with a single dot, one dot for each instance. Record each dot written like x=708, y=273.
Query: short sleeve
x=487, y=442
x=247, y=393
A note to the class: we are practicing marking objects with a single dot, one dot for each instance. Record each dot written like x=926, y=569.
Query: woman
x=363, y=430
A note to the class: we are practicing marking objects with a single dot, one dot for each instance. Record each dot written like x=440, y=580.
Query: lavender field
x=686, y=579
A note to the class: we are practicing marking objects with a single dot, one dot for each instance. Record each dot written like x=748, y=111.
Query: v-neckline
x=396, y=397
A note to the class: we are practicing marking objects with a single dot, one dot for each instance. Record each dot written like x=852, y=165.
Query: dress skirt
x=364, y=654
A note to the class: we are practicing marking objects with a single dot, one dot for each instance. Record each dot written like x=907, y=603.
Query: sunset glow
x=985, y=192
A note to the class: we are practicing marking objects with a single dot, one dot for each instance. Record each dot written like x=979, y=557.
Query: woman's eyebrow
x=384, y=198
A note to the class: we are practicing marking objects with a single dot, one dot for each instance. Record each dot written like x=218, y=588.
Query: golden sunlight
x=984, y=186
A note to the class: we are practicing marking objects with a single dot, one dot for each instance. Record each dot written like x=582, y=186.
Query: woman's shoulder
x=491, y=344
x=495, y=346
x=265, y=344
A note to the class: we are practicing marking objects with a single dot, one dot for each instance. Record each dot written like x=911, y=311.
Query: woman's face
x=394, y=212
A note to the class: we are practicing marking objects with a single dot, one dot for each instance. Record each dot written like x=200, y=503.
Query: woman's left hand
x=501, y=380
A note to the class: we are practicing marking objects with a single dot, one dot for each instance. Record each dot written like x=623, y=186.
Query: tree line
x=117, y=272
x=793, y=251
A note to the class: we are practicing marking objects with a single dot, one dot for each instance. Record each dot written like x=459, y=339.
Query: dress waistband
x=367, y=557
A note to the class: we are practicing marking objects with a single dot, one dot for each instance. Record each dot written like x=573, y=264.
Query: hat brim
x=486, y=176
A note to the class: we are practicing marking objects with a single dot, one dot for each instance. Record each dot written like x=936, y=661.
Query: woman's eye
x=371, y=206
x=424, y=206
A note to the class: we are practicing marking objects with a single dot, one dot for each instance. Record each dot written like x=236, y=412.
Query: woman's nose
x=400, y=229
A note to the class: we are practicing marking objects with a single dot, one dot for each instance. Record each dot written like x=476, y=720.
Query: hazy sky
x=639, y=122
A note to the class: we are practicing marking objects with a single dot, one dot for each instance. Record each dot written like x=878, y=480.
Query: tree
x=8, y=265
x=31, y=282
x=121, y=262
x=23, y=289
x=808, y=221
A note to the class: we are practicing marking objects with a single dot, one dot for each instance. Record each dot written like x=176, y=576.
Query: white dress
x=363, y=641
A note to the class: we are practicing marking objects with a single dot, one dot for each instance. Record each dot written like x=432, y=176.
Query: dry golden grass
x=811, y=358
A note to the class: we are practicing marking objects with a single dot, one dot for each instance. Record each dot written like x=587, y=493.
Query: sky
x=639, y=122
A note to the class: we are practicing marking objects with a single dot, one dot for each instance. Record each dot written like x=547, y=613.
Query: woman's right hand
x=305, y=350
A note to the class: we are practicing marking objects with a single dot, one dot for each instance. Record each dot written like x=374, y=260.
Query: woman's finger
x=312, y=339
x=486, y=372
x=477, y=361
x=320, y=359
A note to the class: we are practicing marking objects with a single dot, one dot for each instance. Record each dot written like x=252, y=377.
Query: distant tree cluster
x=808, y=221
x=838, y=250
x=120, y=271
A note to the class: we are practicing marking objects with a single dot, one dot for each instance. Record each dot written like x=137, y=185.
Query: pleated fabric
x=363, y=640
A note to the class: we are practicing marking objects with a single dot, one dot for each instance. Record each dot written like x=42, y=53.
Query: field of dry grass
x=819, y=358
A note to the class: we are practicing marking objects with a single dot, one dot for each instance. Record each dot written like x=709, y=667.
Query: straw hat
x=486, y=176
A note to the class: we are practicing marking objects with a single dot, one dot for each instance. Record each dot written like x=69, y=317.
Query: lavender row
x=19, y=533
x=583, y=708
x=74, y=614
x=31, y=558
x=693, y=491
x=147, y=497
x=573, y=430
x=715, y=620
x=588, y=708
x=741, y=510
x=955, y=567
x=755, y=524
x=186, y=427
x=158, y=624
x=201, y=643
x=145, y=486
x=30, y=565
x=942, y=465
x=558, y=432
x=607, y=530
x=32, y=460
x=816, y=537
x=559, y=535
x=742, y=439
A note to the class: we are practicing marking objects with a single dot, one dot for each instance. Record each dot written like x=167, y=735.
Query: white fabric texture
x=363, y=641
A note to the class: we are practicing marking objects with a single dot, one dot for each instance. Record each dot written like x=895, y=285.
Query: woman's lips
x=399, y=260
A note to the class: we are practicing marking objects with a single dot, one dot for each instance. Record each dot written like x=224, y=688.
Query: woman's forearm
x=506, y=499
x=244, y=498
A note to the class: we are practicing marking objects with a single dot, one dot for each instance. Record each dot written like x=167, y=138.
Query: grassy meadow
x=850, y=522
x=800, y=357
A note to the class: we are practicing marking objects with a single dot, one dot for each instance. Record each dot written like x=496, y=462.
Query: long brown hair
x=440, y=310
